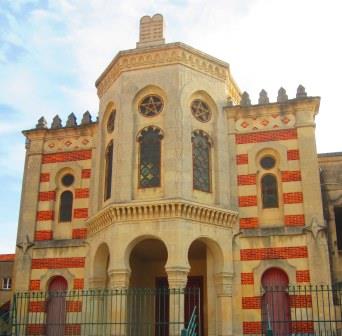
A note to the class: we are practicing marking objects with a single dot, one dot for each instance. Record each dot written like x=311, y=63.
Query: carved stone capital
x=177, y=276
x=224, y=283
x=119, y=278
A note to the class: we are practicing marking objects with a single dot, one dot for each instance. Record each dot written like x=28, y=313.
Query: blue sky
x=52, y=51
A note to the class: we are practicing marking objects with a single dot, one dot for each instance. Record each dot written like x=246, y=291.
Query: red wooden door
x=55, y=312
x=275, y=302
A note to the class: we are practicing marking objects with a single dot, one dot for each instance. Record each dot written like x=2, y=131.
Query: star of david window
x=151, y=105
x=111, y=122
x=269, y=191
x=149, y=160
x=201, y=161
x=200, y=110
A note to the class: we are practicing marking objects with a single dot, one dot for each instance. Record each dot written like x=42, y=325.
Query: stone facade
x=123, y=234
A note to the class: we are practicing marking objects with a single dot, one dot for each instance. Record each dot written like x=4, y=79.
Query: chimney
x=151, y=31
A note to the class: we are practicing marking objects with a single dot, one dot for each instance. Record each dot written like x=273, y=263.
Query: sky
x=52, y=51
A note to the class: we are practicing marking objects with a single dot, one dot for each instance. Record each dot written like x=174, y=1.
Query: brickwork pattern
x=303, y=276
x=247, y=201
x=79, y=233
x=67, y=156
x=81, y=213
x=279, y=135
x=44, y=177
x=45, y=215
x=249, y=223
x=247, y=278
x=43, y=235
x=265, y=253
x=293, y=197
x=82, y=193
x=86, y=173
x=294, y=220
x=56, y=263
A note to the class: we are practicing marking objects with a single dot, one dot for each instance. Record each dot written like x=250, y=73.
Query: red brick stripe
x=43, y=235
x=300, y=301
x=44, y=177
x=241, y=159
x=74, y=306
x=266, y=136
x=67, y=156
x=81, y=213
x=47, y=196
x=292, y=252
x=246, y=179
x=82, y=193
x=55, y=263
x=294, y=220
x=78, y=283
x=45, y=215
x=86, y=173
x=252, y=302
x=249, y=223
x=303, y=276
x=247, y=279
x=293, y=197
x=34, y=285
x=246, y=201
x=302, y=327
x=290, y=176
x=293, y=154
x=79, y=233
x=250, y=328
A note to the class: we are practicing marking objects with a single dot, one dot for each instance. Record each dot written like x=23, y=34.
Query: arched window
x=108, y=171
x=149, y=158
x=65, y=207
x=269, y=191
x=276, y=312
x=201, y=161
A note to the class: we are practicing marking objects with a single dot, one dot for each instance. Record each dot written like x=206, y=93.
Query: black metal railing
x=301, y=310
x=129, y=312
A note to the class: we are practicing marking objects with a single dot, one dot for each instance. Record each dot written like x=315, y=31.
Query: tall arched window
x=269, y=191
x=149, y=157
x=65, y=207
x=201, y=161
x=108, y=171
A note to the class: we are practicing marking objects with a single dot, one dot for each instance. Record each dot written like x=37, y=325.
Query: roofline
x=330, y=154
x=159, y=47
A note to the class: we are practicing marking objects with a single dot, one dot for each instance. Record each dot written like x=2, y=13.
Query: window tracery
x=151, y=105
x=200, y=110
x=201, y=146
x=150, y=157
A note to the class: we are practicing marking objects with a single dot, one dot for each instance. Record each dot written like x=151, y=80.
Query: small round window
x=200, y=110
x=267, y=162
x=111, y=122
x=68, y=180
x=151, y=105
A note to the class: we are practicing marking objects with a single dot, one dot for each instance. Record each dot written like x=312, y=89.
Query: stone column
x=177, y=278
x=117, y=302
x=223, y=283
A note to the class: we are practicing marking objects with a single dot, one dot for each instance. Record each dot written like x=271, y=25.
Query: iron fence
x=301, y=310
x=129, y=312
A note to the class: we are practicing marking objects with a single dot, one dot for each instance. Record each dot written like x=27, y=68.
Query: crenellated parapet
x=285, y=113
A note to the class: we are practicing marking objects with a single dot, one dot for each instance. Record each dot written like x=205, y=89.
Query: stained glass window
x=267, y=162
x=108, y=171
x=200, y=110
x=149, y=165
x=65, y=207
x=201, y=161
x=269, y=189
x=151, y=106
x=111, y=122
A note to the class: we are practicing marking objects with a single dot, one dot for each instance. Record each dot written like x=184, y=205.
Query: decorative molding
x=169, y=54
x=159, y=210
x=276, y=121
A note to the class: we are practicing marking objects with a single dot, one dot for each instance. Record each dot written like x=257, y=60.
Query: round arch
x=100, y=264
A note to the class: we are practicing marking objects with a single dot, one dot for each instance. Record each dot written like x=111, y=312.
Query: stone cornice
x=159, y=210
x=165, y=54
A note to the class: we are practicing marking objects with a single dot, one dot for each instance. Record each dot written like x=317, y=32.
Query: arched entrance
x=205, y=260
x=148, y=300
x=55, y=312
x=100, y=270
x=276, y=312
